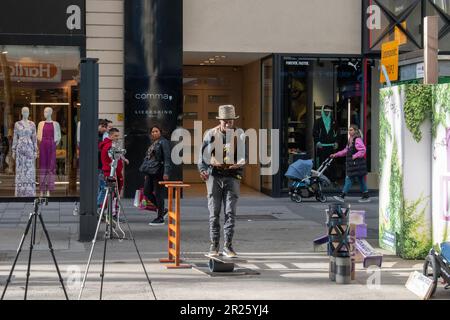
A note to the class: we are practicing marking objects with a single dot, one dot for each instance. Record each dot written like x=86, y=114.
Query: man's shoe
x=365, y=198
x=228, y=251
x=214, y=250
x=159, y=221
x=340, y=198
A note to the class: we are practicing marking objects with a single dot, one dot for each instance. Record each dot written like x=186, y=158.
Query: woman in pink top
x=355, y=164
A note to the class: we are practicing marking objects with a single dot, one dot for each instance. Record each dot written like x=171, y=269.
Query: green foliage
x=415, y=238
x=385, y=128
x=441, y=107
x=418, y=107
x=396, y=205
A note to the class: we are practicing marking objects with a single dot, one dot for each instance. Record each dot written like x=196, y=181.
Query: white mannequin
x=25, y=116
x=48, y=118
x=24, y=151
x=56, y=128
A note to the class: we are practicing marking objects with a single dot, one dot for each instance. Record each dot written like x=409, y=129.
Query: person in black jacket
x=159, y=150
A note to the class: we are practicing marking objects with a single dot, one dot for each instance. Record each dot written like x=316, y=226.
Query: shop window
x=318, y=96
x=39, y=115
x=190, y=99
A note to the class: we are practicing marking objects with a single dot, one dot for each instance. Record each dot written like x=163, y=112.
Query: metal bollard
x=332, y=270
x=343, y=270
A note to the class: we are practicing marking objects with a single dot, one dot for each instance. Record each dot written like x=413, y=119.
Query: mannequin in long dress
x=24, y=151
x=49, y=136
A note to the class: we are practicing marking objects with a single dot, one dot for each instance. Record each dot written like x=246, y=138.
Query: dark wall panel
x=153, y=78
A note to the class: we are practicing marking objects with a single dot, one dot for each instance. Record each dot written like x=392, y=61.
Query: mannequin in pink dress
x=49, y=135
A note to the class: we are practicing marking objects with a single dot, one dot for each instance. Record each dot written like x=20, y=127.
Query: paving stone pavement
x=273, y=236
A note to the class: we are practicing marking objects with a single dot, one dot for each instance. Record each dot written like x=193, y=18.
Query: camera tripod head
x=41, y=200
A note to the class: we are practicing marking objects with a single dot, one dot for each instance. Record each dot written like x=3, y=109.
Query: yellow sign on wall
x=389, y=58
x=400, y=37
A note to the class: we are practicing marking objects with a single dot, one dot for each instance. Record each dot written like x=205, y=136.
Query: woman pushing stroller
x=355, y=164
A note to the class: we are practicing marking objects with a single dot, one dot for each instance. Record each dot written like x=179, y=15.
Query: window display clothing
x=4, y=148
x=24, y=148
x=49, y=135
x=325, y=138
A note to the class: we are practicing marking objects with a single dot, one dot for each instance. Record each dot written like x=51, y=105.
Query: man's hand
x=204, y=175
x=126, y=161
x=333, y=156
x=235, y=166
x=165, y=177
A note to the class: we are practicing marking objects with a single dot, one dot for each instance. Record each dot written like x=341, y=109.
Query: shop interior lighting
x=49, y=103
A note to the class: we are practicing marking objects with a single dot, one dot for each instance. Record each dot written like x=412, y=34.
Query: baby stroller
x=306, y=182
x=437, y=265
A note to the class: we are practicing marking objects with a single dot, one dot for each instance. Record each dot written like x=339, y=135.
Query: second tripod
x=106, y=214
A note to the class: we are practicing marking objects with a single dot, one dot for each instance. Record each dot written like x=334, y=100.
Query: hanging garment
x=25, y=148
x=47, y=158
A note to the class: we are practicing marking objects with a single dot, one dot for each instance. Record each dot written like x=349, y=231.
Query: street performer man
x=221, y=162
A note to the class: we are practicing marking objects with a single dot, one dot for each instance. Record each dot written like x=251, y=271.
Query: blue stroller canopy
x=299, y=169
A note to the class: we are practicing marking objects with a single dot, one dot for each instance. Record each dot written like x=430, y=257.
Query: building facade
x=278, y=62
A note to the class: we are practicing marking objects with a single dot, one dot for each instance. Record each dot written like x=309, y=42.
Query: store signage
x=297, y=63
x=74, y=19
x=43, y=17
x=33, y=71
x=420, y=285
x=153, y=79
x=389, y=58
x=400, y=36
x=420, y=70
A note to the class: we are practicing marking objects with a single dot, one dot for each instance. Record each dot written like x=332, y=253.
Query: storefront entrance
x=296, y=92
x=204, y=89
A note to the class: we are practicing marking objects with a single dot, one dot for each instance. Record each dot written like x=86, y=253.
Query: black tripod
x=32, y=222
x=111, y=192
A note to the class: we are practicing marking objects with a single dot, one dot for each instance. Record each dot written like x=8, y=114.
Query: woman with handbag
x=355, y=164
x=156, y=167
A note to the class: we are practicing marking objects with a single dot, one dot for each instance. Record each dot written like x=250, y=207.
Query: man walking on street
x=221, y=164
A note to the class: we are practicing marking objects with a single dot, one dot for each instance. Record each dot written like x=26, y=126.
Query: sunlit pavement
x=273, y=236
